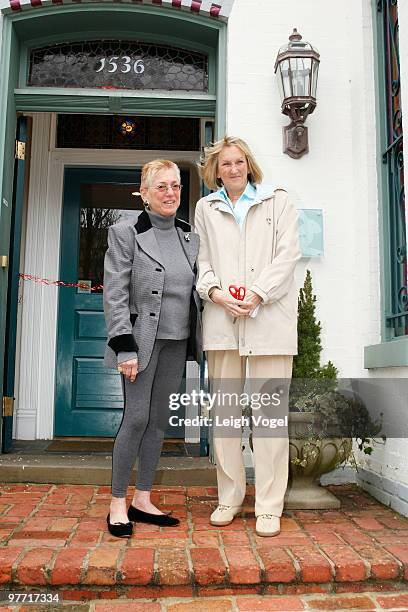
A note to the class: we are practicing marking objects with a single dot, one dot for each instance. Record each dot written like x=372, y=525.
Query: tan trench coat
x=261, y=256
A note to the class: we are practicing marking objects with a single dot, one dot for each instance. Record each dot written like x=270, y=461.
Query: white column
x=34, y=417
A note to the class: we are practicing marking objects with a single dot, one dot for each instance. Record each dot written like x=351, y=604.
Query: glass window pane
x=118, y=64
x=102, y=205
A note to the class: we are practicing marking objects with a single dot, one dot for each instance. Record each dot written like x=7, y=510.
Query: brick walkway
x=53, y=537
x=239, y=603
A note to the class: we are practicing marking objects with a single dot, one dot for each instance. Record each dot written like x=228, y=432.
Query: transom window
x=118, y=64
x=128, y=132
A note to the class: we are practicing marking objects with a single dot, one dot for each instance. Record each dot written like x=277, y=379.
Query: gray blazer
x=133, y=286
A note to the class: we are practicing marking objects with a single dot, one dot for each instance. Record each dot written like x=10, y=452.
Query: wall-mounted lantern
x=297, y=66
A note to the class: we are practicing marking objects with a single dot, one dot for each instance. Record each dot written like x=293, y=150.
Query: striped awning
x=217, y=9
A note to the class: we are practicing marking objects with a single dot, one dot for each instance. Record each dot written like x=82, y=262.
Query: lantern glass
x=301, y=68
x=280, y=82
x=286, y=79
x=315, y=71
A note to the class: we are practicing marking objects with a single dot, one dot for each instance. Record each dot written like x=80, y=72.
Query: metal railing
x=393, y=157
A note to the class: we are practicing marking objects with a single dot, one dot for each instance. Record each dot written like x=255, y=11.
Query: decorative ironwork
x=118, y=64
x=393, y=156
x=124, y=132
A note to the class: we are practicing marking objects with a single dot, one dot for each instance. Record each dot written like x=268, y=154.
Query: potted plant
x=323, y=421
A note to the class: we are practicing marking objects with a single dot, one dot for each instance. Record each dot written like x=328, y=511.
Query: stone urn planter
x=310, y=458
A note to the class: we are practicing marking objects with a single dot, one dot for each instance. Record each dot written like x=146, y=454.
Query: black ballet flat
x=119, y=530
x=163, y=520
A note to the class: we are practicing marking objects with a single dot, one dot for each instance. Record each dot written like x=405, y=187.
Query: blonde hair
x=155, y=166
x=209, y=163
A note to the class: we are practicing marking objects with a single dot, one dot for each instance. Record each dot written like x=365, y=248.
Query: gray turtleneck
x=178, y=280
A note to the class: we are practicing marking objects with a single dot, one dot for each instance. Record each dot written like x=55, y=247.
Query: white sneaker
x=224, y=515
x=267, y=525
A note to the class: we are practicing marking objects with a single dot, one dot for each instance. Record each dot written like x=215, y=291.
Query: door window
x=102, y=205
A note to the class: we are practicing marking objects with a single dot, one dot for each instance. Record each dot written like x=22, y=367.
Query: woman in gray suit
x=151, y=311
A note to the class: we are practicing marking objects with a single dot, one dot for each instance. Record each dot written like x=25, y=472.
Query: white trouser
x=270, y=452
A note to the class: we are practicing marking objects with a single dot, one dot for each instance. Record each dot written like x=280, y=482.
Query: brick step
x=55, y=537
x=96, y=469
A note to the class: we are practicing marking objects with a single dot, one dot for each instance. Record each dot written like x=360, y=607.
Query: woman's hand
x=232, y=306
x=252, y=300
x=129, y=369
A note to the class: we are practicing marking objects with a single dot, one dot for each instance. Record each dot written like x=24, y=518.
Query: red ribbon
x=58, y=283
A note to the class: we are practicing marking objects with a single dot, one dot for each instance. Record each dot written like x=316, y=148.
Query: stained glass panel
x=118, y=64
x=128, y=132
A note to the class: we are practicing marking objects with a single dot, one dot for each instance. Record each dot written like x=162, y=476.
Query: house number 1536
x=123, y=63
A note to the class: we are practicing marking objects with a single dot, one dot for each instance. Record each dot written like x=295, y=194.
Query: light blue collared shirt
x=242, y=205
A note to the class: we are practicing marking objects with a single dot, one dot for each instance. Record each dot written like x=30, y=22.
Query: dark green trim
x=155, y=11
x=8, y=76
x=389, y=352
x=393, y=353
x=76, y=35
x=221, y=111
x=14, y=266
x=383, y=186
x=42, y=99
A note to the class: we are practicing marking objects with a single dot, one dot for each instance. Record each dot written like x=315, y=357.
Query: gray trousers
x=146, y=416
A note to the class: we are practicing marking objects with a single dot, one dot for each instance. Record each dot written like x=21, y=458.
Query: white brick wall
x=339, y=173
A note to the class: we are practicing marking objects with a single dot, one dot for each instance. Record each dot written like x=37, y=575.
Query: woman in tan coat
x=248, y=238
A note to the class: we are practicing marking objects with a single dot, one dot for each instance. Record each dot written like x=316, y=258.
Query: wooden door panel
x=90, y=324
x=95, y=387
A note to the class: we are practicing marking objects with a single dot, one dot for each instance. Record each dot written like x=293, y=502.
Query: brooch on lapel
x=187, y=237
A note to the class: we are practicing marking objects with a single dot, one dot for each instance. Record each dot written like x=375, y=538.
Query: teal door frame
x=13, y=286
x=8, y=120
x=21, y=29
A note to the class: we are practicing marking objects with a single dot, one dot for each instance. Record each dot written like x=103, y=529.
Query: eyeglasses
x=163, y=188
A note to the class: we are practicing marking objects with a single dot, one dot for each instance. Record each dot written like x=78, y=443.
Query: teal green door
x=88, y=395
